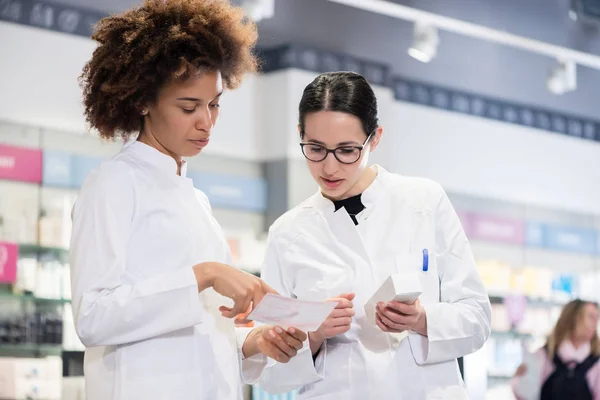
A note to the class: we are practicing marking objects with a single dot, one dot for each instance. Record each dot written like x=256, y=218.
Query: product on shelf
x=55, y=217
x=31, y=378
x=19, y=212
x=34, y=325
x=495, y=275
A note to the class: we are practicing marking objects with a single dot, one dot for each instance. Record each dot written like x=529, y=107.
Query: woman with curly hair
x=149, y=262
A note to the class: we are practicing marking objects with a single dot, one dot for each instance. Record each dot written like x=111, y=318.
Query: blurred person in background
x=567, y=367
x=150, y=265
x=363, y=225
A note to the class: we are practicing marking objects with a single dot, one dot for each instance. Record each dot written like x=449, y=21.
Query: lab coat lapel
x=345, y=232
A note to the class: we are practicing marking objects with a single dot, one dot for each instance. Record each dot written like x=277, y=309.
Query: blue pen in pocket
x=425, y=260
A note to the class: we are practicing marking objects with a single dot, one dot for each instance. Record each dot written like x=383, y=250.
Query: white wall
x=493, y=159
x=38, y=77
x=38, y=86
x=477, y=156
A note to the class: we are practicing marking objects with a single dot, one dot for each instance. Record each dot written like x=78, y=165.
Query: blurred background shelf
x=43, y=252
x=6, y=296
x=29, y=350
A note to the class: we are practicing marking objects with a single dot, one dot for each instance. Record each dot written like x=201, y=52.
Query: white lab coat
x=314, y=253
x=138, y=228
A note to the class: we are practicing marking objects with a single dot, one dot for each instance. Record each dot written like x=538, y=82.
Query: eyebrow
x=341, y=144
x=197, y=100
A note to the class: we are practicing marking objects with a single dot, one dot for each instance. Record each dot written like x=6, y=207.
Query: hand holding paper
x=396, y=317
x=274, y=342
x=286, y=312
x=337, y=323
x=395, y=307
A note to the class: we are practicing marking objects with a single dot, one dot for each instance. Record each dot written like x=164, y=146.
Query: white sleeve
x=461, y=322
x=252, y=367
x=301, y=370
x=108, y=308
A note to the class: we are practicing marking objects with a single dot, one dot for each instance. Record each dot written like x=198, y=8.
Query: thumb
x=348, y=296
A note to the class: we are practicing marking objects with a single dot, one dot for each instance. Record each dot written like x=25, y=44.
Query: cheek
x=314, y=168
x=214, y=115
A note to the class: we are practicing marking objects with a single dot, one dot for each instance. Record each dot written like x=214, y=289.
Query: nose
x=330, y=164
x=205, y=120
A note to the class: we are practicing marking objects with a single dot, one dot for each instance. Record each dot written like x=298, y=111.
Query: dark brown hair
x=162, y=41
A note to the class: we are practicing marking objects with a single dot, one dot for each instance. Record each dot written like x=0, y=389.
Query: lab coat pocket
x=425, y=266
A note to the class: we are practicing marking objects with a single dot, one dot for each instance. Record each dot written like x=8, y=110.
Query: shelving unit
x=7, y=296
x=44, y=253
x=29, y=350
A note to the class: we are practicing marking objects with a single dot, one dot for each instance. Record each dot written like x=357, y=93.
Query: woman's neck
x=150, y=140
x=577, y=343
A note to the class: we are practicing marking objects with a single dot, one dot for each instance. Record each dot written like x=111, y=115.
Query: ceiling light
x=563, y=77
x=425, y=42
x=258, y=10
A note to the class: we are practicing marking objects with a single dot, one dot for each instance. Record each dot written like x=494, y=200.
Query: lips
x=332, y=183
x=200, y=143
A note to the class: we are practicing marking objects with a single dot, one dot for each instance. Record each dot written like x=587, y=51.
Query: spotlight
x=259, y=9
x=426, y=39
x=563, y=77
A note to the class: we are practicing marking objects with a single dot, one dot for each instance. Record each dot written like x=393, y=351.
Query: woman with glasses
x=341, y=244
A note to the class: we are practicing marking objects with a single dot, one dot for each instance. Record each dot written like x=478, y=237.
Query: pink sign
x=9, y=253
x=515, y=308
x=20, y=164
x=496, y=229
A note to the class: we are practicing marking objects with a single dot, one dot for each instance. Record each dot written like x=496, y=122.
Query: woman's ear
x=376, y=138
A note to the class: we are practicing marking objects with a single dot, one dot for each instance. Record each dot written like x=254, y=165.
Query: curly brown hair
x=162, y=41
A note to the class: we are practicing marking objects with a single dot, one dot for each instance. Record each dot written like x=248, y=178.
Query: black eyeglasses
x=344, y=154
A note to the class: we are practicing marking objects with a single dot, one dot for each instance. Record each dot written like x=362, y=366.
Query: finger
x=402, y=308
x=267, y=288
x=241, y=305
x=290, y=339
x=395, y=317
x=343, y=303
x=243, y=318
x=276, y=354
x=298, y=334
x=278, y=341
x=342, y=321
x=349, y=296
x=391, y=324
x=344, y=312
x=381, y=325
x=227, y=312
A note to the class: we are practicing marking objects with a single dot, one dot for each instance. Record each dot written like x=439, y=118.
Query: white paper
x=305, y=315
x=527, y=386
x=405, y=288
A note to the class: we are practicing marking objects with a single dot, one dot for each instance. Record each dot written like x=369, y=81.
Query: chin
x=333, y=193
x=191, y=152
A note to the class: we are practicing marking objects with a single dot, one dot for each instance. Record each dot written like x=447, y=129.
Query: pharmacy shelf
x=29, y=349
x=43, y=252
x=531, y=302
x=7, y=296
x=512, y=335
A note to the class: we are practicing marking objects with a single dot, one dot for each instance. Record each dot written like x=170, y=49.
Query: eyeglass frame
x=327, y=151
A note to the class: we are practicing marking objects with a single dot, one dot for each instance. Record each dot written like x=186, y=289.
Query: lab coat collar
x=369, y=196
x=156, y=158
